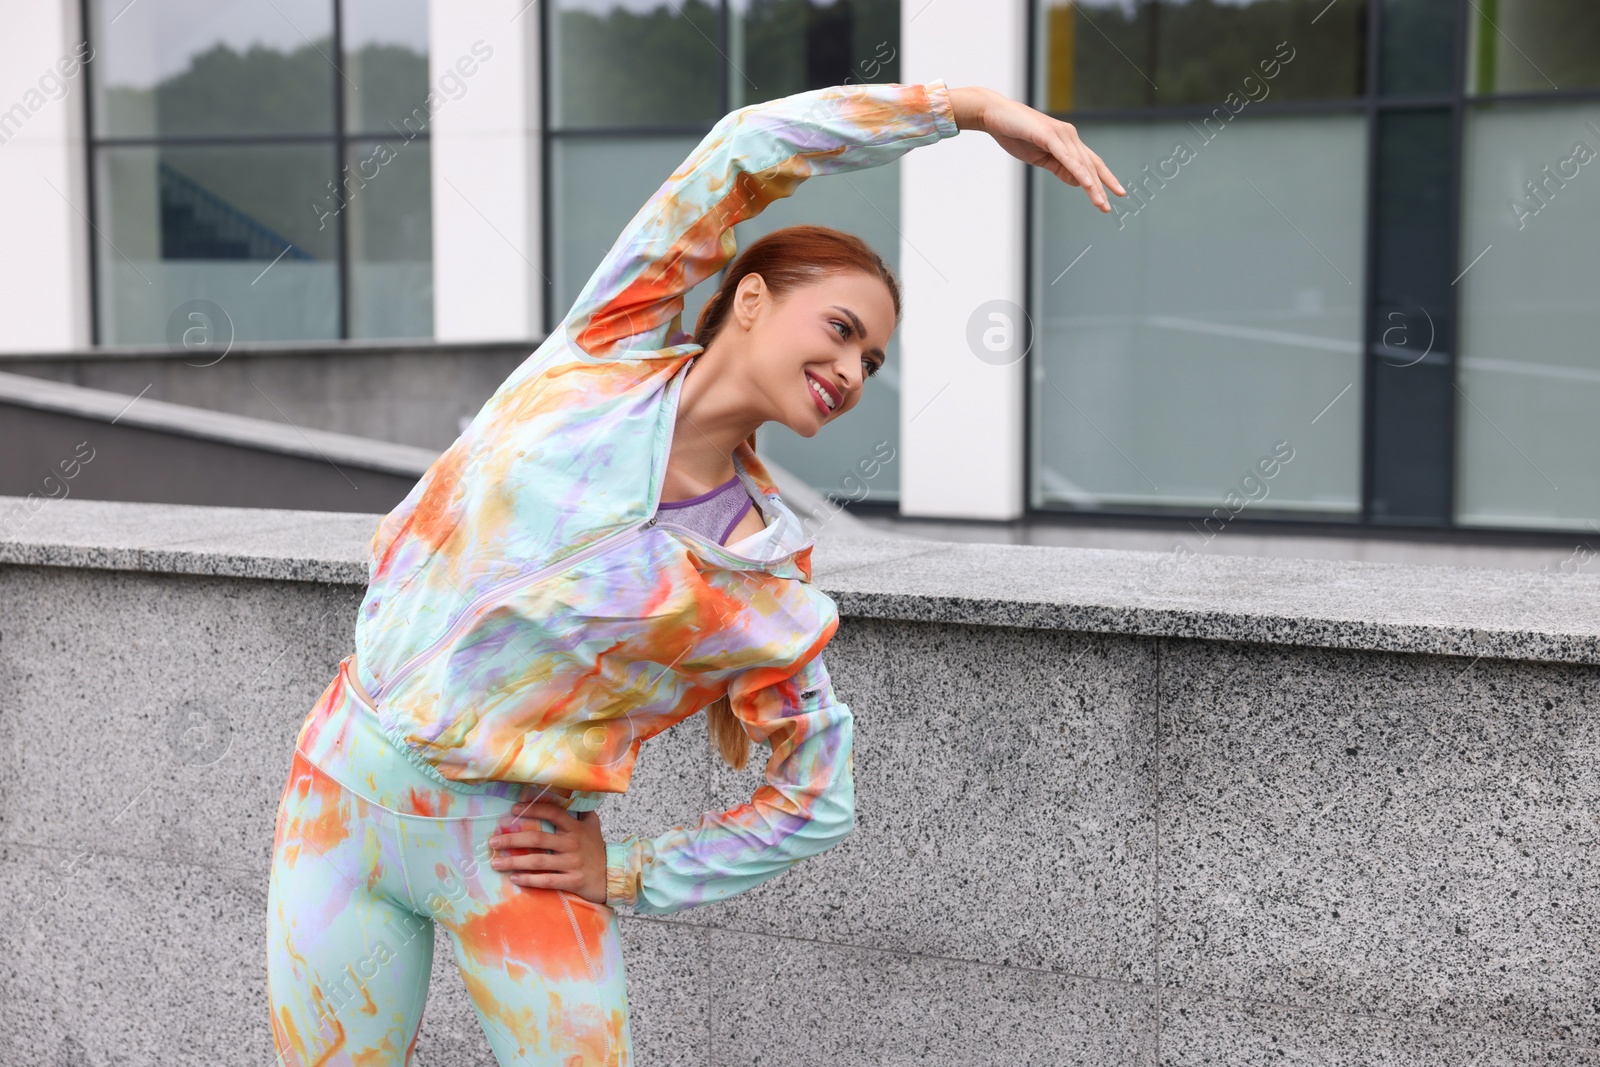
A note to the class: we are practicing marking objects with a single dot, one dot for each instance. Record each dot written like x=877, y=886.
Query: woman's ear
x=748, y=298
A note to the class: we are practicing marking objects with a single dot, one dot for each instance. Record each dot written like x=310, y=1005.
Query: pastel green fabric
x=365, y=865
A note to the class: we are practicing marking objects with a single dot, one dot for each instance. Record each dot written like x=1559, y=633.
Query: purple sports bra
x=712, y=514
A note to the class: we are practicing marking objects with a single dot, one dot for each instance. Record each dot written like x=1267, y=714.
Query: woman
x=598, y=556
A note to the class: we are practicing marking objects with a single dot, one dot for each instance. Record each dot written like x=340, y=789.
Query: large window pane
x=386, y=61
x=1113, y=53
x=598, y=185
x=1223, y=316
x=634, y=63
x=867, y=204
x=1517, y=46
x=180, y=68
x=780, y=47
x=236, y=226
x=390, y=224
x=1529, y=375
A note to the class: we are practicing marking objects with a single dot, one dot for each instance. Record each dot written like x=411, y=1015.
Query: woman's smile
x=826, y=396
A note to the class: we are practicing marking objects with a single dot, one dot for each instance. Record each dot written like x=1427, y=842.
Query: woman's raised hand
x=1036, y=139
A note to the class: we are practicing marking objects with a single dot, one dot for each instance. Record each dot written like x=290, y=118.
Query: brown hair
x=791, y=257
x=785, y=258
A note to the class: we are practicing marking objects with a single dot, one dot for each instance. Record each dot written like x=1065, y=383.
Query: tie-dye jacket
x=528, y=619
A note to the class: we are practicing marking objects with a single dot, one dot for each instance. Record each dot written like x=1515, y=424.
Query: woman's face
x=810, y=351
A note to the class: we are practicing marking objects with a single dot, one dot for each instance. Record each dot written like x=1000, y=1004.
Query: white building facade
x=1354, y=283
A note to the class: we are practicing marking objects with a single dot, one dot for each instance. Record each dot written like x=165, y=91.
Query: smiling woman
x=531, y=619
x=790, y=312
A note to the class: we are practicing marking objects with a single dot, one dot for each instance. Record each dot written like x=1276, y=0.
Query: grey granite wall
x=1251, y=812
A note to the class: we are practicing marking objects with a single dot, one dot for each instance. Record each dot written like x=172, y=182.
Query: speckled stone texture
x=1224, y=824
x=1413, y=838
x=813, y=1004
x=1527, y=615
x=1005, y=808
x=146, y=724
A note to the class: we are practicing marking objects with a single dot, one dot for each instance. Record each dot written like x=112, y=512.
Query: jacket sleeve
x=752, y=156
x=806, y=805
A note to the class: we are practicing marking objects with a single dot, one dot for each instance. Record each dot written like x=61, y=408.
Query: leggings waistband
x=344, y=738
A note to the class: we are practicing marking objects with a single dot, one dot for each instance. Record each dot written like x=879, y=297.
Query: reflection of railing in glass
x=198, y=224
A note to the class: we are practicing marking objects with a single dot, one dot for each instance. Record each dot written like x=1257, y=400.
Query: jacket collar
x=789, y=552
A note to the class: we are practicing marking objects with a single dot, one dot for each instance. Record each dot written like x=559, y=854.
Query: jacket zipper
x=493, y=592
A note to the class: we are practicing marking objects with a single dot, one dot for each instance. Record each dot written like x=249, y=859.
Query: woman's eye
x=872, y=367
x=844, y=328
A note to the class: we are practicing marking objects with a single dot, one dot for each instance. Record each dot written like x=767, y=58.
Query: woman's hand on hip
x=1036, y=139
x=572, y=858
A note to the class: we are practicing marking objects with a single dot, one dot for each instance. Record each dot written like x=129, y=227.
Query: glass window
x=632, y=63
x=225, y=171
x=189, y=68
x=386, y=59
x=1529, y=374
x=600, y=183
x=781, y=47
x=1117, y=54
x=1219, y=314
x=390, y=229
x=635, y=84
x=228, y=225
x=1532, y=46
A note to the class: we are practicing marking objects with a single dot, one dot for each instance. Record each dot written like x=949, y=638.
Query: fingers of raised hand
x=1106, y=177
x=1070, y=155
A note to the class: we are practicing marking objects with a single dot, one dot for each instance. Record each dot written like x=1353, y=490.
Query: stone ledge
x=1456, y=611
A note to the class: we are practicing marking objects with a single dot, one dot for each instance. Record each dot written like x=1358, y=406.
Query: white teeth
x=820, y=391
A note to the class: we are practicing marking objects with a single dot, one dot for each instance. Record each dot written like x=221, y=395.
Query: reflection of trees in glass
x=665, y=67
x=794, y=45
x=226, y=92
x=626, y=68
x=265, y=91
x=1155, y=52
x=393, y=82
x=390, y=214
x=1557, y=43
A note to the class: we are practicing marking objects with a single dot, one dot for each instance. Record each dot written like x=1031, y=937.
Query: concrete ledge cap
x=1456, y=611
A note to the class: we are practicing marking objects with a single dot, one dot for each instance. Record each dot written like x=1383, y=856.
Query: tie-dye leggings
x=369, y=852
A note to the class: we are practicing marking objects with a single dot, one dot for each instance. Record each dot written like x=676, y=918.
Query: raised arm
x=684, y=233
x=757, y=154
